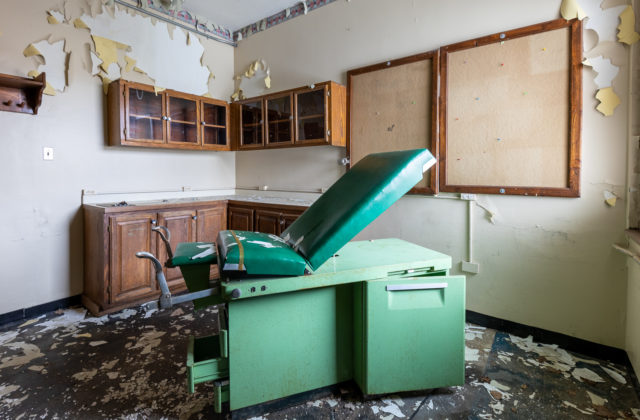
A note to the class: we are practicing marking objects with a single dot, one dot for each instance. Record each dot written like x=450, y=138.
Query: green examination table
x=308, y=309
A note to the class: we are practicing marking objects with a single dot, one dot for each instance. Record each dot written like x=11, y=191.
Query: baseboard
x=573, y=344
x=34, y=311
x=576, y=345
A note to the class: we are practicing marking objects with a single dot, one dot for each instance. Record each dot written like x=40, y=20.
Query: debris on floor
x=132, y=365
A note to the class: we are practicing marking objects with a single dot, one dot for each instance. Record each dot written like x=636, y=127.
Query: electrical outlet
x=470, y=267
x=47, y=153
x=465, y=196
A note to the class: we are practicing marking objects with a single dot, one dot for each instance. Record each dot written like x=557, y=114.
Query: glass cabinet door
x=251, y=123
x=144, y=115
x=279, y=120
x=214, y=124
x=311, y=113
x=182, y=120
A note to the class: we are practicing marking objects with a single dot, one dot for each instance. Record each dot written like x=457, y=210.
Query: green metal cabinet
x=294, y=334
x=289, y=343
x=410, y=334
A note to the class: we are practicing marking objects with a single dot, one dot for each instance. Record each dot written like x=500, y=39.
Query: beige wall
x=40, y=220
x=632, y=342
x=547, y=262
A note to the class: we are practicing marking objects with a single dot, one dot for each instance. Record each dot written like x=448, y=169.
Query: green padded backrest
x=355, y=200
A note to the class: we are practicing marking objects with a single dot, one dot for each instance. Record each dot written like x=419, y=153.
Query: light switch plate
x=47, y=153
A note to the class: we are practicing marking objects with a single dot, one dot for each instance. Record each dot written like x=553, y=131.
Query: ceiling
x=236, y=14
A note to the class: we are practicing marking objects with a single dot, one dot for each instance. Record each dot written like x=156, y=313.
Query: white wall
x=547, y=262
x=40, y=220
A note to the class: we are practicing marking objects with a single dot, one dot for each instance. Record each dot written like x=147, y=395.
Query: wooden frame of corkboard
x=510, y=112
x=393, y=105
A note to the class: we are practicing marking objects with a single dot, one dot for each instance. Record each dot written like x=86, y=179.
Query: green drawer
x=207, y=359
x=411, y=336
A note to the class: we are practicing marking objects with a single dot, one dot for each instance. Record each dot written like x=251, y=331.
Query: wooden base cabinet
x=130, y=278
x=182, y=225
x=114, y=278
x=265, y=218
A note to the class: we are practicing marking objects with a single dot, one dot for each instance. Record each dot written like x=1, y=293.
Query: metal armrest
x=166, y=300
x=165, y=297
x=165, y=235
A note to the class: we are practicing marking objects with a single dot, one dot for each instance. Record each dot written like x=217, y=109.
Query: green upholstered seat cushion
x=370, y=187
x=188, y=253
x=258, y=254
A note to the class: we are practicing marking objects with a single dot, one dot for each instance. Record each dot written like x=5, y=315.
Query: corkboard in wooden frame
x=510, y=112
x=393, y=105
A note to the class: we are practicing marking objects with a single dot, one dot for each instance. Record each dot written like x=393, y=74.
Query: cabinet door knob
x=202, y=122
x=168, y=118
x=154, y=221
x=194, y=217
x=164, y=118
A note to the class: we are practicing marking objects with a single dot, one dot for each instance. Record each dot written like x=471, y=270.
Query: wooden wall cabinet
x=138, y=116
x=306, y=116
x=265, y=218
x=114, y=278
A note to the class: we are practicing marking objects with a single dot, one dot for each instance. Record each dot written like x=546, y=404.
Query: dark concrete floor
x=131, y=365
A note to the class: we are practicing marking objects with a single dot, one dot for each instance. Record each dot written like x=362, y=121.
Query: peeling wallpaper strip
x=278, y=18
x=203, y=26
x=190, y=19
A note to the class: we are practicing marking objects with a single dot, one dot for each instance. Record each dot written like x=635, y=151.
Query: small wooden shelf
x=19, y=94
x=308, y=117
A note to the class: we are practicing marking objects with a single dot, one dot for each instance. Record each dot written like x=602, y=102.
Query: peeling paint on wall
x=54, y=64
x=179, y=66
x=257, y=70
x=602, y=17
x=627, y=33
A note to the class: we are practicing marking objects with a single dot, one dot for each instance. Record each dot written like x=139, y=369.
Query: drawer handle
x=422, y=286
